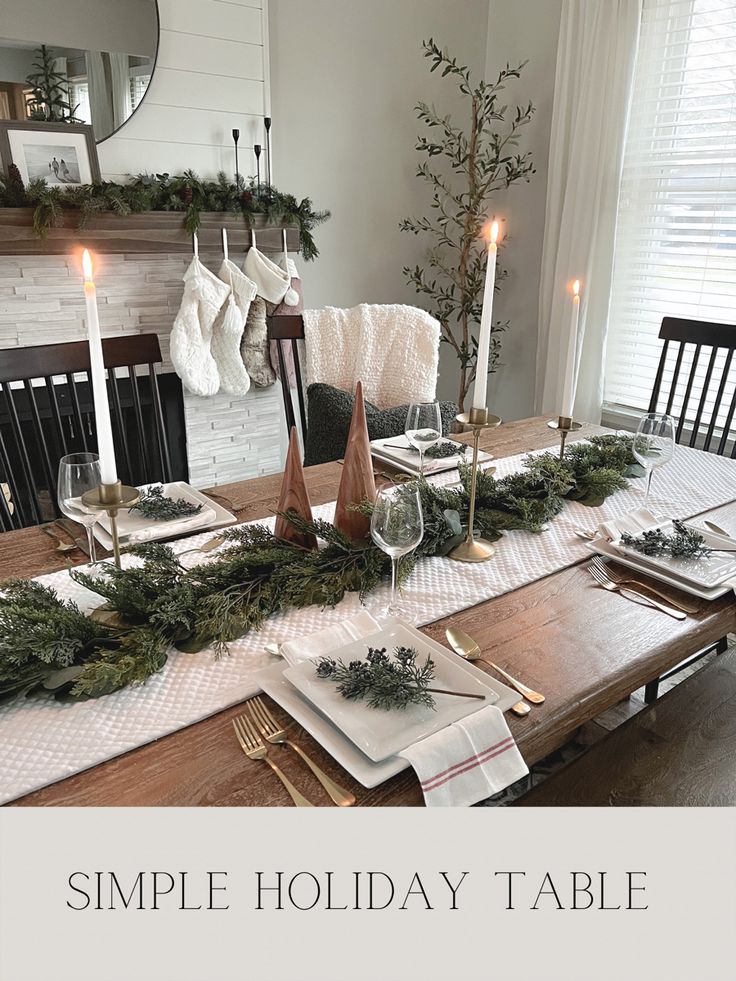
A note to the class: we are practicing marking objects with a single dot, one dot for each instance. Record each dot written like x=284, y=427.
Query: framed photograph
x=64, y=154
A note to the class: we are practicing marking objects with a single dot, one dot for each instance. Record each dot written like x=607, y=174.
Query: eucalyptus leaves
x=49, y=645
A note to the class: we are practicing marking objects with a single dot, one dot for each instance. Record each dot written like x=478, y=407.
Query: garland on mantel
x=185, y=192
x=48, y=645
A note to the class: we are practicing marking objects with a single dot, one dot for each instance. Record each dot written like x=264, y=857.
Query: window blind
x=676, y=230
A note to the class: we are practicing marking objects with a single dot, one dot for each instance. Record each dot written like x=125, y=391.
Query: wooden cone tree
x=357, y=483
x=294, y=497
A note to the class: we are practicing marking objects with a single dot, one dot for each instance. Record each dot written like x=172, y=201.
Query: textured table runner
x=42, y=741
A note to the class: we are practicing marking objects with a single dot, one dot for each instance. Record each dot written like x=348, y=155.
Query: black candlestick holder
x=236, y=137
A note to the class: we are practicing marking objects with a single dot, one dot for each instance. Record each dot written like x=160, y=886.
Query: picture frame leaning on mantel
x=63, y=154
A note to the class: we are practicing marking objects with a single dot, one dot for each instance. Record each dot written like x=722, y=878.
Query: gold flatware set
x=599, y=571
x=258, y=727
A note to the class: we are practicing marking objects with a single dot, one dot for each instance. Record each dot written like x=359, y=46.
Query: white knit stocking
x=191, y=334
x=227, y=332
x=271, y=280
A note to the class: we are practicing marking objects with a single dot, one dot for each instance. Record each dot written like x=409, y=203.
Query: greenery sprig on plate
x=684, y=543
x=161, y=604
x=154, y=504
x=382, y=681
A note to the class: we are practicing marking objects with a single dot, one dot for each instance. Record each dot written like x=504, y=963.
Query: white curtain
x=100, y=103
x=595, y=66
x=120, y=77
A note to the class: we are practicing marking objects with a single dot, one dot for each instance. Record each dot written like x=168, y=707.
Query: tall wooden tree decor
x=294, y=497
x=357, y=483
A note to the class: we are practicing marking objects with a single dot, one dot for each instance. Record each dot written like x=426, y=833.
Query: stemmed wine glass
x=654, y=444
x=397, y=527
x=423, y=427
x=79, y=473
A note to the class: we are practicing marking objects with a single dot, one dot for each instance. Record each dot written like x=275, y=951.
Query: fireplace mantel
x=148, y=233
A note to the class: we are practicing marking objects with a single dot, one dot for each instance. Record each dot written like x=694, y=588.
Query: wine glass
x=397, y=527
x=79, y=473
x=423, y=427
x=654, y=444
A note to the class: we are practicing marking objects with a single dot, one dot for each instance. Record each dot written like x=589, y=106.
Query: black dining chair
x=47, y=411
x=696, y=382
x=287, y=330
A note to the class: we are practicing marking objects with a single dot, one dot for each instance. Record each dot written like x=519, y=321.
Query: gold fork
x=626, y=580
x=273, y=733
x=613, y=587
x=254, y=748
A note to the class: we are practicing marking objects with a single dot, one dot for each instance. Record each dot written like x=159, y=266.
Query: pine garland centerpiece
x=47, y=644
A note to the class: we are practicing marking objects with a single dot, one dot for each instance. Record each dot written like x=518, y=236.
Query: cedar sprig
x=154, y=504
x=380, y=681
x=684, y=543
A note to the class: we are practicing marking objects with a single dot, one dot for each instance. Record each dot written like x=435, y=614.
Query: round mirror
x=83, y=61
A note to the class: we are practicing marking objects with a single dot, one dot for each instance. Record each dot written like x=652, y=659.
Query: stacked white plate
x=707, y=577
x=365, y=740
x=397, y=451
x=134, y=528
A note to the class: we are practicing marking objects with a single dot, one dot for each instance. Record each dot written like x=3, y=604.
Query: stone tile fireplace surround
x=41, y=302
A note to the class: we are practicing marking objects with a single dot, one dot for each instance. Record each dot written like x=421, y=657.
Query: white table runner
x=42, y=741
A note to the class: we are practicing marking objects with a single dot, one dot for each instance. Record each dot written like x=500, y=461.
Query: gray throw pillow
x=329, y=412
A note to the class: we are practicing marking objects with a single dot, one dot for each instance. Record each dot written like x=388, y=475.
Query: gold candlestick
x=475, y=549
x=112, y=498
x=565, y=425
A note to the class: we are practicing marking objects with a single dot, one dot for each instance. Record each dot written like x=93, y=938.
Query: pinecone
x=14, y=178
x=186, y=194
x=246, y=199
x=15, y=192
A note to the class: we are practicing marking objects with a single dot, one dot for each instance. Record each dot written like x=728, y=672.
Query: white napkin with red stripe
x=468, y=761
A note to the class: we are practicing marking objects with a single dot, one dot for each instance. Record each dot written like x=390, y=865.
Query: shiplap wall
x=210, y=77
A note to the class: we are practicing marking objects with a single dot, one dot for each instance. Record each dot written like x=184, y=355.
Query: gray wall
x=521, y=30
x=345, y=75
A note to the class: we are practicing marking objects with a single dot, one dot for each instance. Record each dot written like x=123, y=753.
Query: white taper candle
x=486, y=322
x=569, y=381
x=103, y=423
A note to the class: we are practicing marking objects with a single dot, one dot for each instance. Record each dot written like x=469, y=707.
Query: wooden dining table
x=585, y=648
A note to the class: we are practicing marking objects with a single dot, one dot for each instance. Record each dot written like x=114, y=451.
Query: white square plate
x=378, y=733
x=601, y=546
x=396, y=451
x=132, y=523
x=706, y=572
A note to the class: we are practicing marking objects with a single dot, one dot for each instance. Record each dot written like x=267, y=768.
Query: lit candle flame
x=87, y=266
x=494, y=233
x=576, y=288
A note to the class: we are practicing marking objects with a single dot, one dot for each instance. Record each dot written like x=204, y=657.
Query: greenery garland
x=47, y=644
x=185, y=192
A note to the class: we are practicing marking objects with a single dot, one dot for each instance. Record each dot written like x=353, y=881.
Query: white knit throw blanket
x=392, y=349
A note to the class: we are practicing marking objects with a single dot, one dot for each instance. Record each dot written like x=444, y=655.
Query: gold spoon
x=464, y=645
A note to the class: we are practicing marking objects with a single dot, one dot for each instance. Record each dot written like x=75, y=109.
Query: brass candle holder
x=564, y=425
x=112, y=498
x=475, y=549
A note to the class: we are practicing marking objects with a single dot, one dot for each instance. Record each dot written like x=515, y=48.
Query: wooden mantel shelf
x=153, y=231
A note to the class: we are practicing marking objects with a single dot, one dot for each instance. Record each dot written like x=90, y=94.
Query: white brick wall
x=41, y=302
